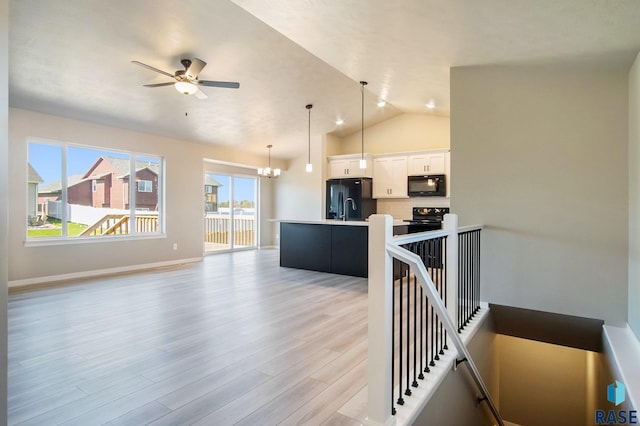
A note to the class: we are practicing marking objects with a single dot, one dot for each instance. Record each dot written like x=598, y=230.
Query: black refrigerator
x=360, y=190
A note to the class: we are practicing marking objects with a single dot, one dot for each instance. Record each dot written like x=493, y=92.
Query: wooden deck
x=234, y=339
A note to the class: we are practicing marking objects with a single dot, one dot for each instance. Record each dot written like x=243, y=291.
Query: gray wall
x=4, y=201
x=454, y=402
x=539, y=155
x=634, y=197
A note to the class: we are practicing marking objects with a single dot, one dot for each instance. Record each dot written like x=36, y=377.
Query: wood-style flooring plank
x=234, y=338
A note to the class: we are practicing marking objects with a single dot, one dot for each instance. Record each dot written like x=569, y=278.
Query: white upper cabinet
x=427, y=163
x=349, y=166
x=390, y=177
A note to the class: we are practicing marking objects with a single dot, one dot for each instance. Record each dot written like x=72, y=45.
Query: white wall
x=4, y=201
x=634, y=197
x=184, y=200
x=539, y=156
x=298, y=194
x=405, y=132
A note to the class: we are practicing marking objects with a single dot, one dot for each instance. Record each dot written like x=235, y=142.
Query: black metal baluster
x=400, y=400
x=415, y=332
x=436, y=355
x=444, y=279
x=470, y=260
x=393, y=333
x=460, y=283
x=442, y=295
x=408, y=280
x=475, y=273
x=478, y=271
x=421, y=376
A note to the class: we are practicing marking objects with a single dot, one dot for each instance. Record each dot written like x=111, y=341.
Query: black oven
x=427, y=186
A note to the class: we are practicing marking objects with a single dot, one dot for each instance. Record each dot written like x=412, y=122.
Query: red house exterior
x=106, y=185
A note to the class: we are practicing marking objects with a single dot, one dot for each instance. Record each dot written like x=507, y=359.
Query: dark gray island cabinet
x=325, y=246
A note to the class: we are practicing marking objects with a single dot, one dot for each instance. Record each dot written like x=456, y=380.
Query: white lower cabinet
x=390, y=177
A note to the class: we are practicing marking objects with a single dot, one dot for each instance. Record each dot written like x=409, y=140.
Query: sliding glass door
x=230, y=204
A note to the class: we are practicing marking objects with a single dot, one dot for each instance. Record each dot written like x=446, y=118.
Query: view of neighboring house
x=52, y=192
x=106, y=185
x=33, y=181
x=211, y=194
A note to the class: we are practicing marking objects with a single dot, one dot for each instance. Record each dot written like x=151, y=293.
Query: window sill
x=55, y=241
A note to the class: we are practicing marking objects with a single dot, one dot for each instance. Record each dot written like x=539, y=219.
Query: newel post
x=451, y=224
x=380, y=316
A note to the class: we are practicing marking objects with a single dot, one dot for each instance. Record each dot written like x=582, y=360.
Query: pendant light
x=363, y=162
x=267, y=171
x=309, y=167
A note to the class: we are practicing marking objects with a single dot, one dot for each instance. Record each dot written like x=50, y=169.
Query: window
x=145, y=186
x=84, y=192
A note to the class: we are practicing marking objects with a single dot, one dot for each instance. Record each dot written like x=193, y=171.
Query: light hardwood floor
x=234, y=339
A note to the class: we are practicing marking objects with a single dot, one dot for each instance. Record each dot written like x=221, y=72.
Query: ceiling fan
x=187, y=79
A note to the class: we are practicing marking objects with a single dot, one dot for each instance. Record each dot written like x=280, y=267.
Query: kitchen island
x=339, y=247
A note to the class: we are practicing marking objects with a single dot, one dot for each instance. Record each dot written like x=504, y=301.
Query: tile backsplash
x=401, y=208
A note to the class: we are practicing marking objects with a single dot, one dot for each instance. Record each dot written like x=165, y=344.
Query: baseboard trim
x=28, y=283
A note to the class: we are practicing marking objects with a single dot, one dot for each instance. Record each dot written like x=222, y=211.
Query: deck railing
x=118, y=224
x=218, y=229
x=416, y=311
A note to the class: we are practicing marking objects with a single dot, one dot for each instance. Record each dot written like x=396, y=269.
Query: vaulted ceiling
x=73, y=58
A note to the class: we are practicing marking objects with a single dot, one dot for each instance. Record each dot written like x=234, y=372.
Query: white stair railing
x=383, y=248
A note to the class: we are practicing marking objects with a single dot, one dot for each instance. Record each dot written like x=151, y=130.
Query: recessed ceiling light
x=381, y=103
x=339, y=121
x=430, y=105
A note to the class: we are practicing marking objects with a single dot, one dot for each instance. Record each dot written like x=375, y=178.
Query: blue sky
x=243, y=188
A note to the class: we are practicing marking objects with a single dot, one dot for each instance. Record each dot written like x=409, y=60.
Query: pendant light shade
x=363, y=162
x=268, y=172
x=309, y=167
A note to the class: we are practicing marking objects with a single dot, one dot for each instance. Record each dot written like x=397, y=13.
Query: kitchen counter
x=335, y=246
x=334, y=222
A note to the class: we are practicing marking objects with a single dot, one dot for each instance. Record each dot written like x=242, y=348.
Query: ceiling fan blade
x=225, y=84
x=149, y=67
x=158, y=84
x=200, y=94
x=194, y=69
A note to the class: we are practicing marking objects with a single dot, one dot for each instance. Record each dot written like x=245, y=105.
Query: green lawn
x=73, y=229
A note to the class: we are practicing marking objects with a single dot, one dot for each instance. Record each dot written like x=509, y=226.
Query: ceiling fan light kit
x=185, y=87
x=187, y=81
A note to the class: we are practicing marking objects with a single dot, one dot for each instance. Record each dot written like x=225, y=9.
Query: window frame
x=132, y=157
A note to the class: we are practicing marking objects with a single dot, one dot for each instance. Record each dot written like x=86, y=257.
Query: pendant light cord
x=309, y=133
x=362, y=84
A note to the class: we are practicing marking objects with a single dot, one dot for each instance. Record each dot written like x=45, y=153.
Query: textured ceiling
x=73, y=58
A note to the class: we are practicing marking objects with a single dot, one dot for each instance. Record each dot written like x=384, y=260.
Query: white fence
x=84, y=215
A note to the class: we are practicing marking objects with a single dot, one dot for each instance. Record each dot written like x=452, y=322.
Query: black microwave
x=427, y=186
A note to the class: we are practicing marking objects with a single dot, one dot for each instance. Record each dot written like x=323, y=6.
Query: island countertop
x=332, y=222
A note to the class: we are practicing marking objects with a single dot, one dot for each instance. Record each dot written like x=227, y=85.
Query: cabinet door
x=398, y=184
x=381, y=177
x=427, y=164
x=436, y=163
x=418, y=164
x=338, y=168
x=390, y=177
